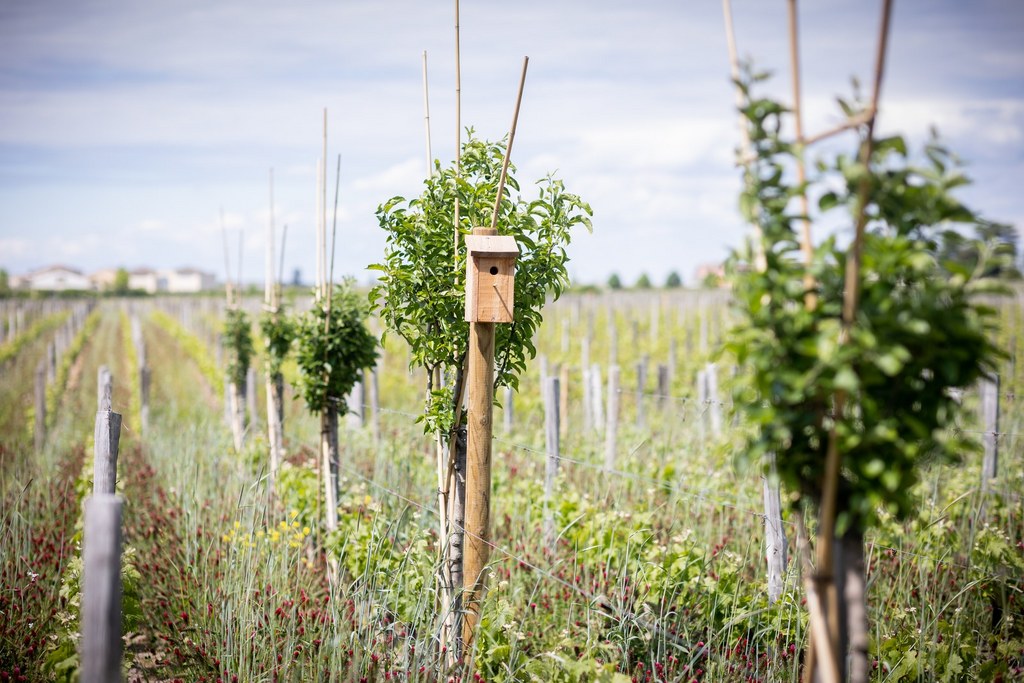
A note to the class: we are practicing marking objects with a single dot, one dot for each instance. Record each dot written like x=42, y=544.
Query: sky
x=128, y=129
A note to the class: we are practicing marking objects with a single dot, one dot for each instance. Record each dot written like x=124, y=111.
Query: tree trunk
x=851, y=584
x=456, y=541
x=275, y=426
x=236, y=395
x=329, y=455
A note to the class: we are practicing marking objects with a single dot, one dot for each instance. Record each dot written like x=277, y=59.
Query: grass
x=655, y=571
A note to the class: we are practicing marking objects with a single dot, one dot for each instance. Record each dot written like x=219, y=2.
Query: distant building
x=103, y=280
x=710, y=275
x=188, y=280
x=54, y=279
x=147, y=280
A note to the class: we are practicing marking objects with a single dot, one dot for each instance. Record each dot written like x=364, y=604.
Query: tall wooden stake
x=478, y=474
x=426, y=117
x=101, y=590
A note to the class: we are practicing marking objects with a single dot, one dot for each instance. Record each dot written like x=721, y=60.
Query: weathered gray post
x=106, y=438
x=611, y=434
x=374, y=389
x=776, y=546
x=714, y=405
x=101, y=590
x=989, y=388
x=51, y=362
x=641, y=386
x=596, y=386
x=250, y=394
x=663, y=387
x=40, y=407
x=145, y=375
x=355, y=402
x=552, y=448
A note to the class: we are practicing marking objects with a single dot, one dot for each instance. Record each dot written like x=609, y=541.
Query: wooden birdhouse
x=490, y=277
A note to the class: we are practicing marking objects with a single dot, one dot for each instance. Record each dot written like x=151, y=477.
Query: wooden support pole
x=40, y=407
x=552, y=446
x=989, y=388
x=611, y=434
x=478, y=474
x=714, y=404
x=663, y=388
x=145, y=378
x=641, y=386
x=508, y=410
x=329, y=465
x=563, y=401
x=106, y=438
x=776, y=546
x=250, y=394
x=372, y=379
x=596, y=387
x=101, y=590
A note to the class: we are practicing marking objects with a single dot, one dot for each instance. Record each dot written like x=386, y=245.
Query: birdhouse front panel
x=490, y=278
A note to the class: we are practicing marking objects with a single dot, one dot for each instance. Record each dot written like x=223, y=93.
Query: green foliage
x=643, y=282
x=421, y=291
x=614, y=282
x=917, y=333
x=35, y=330
x=238, y=344
x=121, y=282
x=673, y=281
x=194, y=348
x=5, y=282
x=278, y=331
x=331, y=358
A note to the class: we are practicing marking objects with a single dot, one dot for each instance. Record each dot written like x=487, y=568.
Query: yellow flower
x=226, y=537
x=293, y=514
x=238, y=525
x=295, y=525
x=275, y=535
x=305, y=531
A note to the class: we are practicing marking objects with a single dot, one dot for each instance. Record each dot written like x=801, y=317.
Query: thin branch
x=852, y=122
x=508, y=149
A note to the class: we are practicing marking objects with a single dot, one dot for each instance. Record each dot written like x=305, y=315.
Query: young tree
x=643, y=282
x=121, y=284
x=421, y=295
x=673, y=281
x=614, y=283
x=238, y=343
x=877, y=389
x=333, y=346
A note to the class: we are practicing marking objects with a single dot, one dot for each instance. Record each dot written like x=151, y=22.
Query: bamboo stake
x=227, y=264
x=508, y=149
x=746, y=151
x=830, y=484
x=319, y=286
x=323, y=204
x=268, y=283
x=458, y=139
x=426, y=117
x=810, y=300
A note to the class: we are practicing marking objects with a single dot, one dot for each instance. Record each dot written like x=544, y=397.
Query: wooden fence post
x=641, y=386
x=563, y=401
x=101, y=590
x=663, y=387
x=372, y=379
x=552, y=448
x=51, y=362
x=714, y=405
x=611, y=434
x=145, y=376
x=250, y=394
x=776, y=546
x=989, y=388
x=355, y=401
x=596, y=386
x=40, y=407
x=106, y=438
x=588, y=411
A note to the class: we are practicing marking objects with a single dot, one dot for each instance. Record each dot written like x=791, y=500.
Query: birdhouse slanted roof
x=492, y=245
